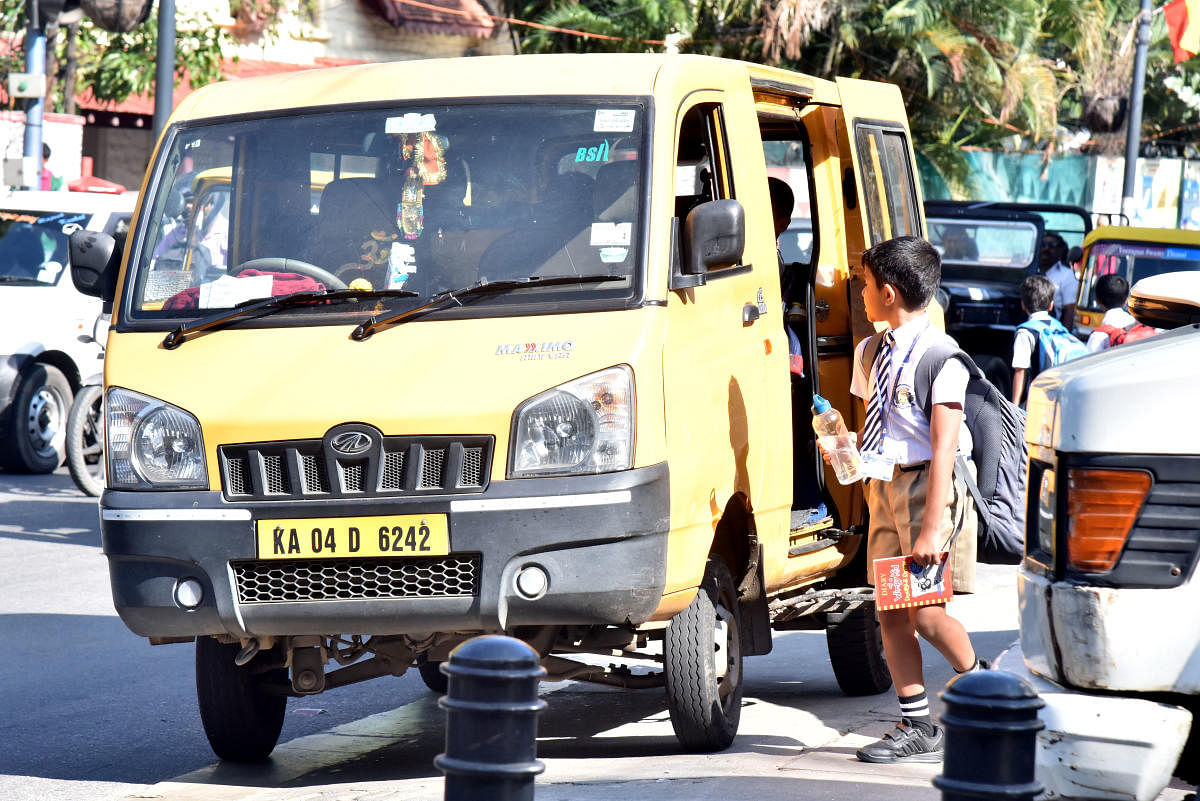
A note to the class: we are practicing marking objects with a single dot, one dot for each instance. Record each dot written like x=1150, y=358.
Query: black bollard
x=491, y=720
x=991, y=738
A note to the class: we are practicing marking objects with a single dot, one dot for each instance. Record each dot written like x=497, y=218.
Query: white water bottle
x=835, y=440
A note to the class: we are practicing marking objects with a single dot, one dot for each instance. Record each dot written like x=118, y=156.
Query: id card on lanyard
x=874, y=463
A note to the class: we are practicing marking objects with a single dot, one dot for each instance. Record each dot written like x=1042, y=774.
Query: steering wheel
x=277, y=264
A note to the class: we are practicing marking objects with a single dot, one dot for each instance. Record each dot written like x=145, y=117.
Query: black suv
x=987, y=250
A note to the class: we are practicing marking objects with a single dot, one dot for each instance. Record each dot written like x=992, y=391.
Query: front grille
x=279, y=471
x=282, y=581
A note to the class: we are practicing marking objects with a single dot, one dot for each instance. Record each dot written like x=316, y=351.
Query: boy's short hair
x=908, y=263
x=1037, y=293
x=1112, y=290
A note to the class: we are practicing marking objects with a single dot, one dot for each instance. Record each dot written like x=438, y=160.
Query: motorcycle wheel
x=85, y=441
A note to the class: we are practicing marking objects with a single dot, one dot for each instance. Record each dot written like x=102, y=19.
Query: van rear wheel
x=242, y=717
x=856, y=651
x=702, y=662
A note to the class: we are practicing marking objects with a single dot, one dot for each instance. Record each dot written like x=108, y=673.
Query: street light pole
x=1138, y=89
x=35, y=64
x=164, y=76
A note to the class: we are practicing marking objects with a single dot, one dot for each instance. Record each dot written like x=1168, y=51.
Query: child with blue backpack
x=1041, y=341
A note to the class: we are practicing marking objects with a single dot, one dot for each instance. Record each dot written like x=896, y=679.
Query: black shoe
x=905, y=744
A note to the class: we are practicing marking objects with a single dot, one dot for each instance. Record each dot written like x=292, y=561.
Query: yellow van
x=1134, y=253
x=520, y=365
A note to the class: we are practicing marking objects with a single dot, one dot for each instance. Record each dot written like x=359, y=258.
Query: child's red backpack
x=1118, y=335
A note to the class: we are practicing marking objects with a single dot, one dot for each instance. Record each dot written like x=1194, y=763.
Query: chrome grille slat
x=283, y=581
x=402, y=466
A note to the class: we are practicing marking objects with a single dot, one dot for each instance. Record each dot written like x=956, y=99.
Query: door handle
x=750, y=313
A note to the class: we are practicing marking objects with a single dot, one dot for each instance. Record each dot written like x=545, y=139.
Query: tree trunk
x=72, y=62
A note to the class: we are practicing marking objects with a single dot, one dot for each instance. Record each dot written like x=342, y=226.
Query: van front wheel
x=702, y=662
x=856, y=651
x=242, y=717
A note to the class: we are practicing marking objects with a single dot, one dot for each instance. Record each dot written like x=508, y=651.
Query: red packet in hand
x=900, y=583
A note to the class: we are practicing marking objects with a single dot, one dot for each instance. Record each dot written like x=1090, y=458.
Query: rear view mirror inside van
x=95, y=260
x=714, y=236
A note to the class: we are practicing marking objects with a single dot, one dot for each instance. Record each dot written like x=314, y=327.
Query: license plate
x=342, y=537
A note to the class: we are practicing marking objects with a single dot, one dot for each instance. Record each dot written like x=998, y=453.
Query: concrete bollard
x=491, y=720
x=991, y=738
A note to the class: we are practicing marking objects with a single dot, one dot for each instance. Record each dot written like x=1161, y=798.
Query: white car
x=1109, y=586
x=42, y=317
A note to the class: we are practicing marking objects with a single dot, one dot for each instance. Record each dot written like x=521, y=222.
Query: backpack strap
x=1036, y=328
x=874, y=343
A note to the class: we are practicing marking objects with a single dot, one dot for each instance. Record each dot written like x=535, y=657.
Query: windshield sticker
x=227, y=291
x=535, y=351
x=614, y=120
x=49, y=271
x=1149, y=251
x=605, y=233
x=410, y=123
x=613, y=255
x=402, y=262
x=593, y=154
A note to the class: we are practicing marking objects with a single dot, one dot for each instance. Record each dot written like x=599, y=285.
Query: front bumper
x=602, y=540
x=1102, y=747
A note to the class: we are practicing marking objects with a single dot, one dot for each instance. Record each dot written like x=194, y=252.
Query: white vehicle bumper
x=1102, y=747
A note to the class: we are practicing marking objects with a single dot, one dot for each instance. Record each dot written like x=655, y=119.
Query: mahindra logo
x=351, y=443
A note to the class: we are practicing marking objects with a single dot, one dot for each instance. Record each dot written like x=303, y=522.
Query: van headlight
x=152, y=444
x=581, y=427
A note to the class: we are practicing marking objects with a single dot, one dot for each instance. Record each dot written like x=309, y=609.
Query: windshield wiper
x=268, y=305
x=13, y=279
x=481, y=287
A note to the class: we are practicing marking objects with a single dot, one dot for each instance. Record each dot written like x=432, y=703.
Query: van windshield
x=1135, y=261
x=419, y=198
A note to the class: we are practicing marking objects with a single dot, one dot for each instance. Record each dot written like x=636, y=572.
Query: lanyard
x=885, y=403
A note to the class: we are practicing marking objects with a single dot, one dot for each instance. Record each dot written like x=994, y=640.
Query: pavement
x=797, y=739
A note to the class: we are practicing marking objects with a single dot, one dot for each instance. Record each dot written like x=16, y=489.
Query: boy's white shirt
x=1118, y=318
x=908, y=438
x=1025, y=341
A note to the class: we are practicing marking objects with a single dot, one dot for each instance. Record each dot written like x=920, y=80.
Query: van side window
x=702, y=170
x=889, y=182
x=787, y=160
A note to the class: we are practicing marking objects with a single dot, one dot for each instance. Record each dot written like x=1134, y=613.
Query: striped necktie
x=873, y=430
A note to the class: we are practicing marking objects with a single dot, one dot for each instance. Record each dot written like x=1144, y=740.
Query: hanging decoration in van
x=427, y=153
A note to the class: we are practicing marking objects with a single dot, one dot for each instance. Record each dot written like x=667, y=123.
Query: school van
x=1109, y=585
x=405, y=353
x=42, y=316
x=1133, y=253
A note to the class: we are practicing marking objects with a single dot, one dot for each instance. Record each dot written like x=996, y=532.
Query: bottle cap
x=820, y=405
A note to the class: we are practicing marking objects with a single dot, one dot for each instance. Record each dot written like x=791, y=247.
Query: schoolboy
x=1112, y=291
x=1037, y=299
x=916, y=503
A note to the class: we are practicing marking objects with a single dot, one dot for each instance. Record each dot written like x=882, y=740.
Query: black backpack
x=998, y=450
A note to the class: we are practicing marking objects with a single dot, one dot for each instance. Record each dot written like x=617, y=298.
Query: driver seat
x=356, y=224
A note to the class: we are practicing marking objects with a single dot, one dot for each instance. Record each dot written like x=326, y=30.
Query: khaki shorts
x=897, y=511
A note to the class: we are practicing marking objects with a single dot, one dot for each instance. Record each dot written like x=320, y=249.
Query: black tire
x=433, y=677
x=242, y=718
x=85, y=441
x=856, y=651
x=702, y=663
x=42, y=403
x=999, y=373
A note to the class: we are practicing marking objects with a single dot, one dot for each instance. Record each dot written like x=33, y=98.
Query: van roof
x=489, y=76
x=1129, y=233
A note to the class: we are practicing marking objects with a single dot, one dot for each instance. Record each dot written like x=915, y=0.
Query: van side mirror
x=95, y=260
x=714, y=237
x=1167, y=300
